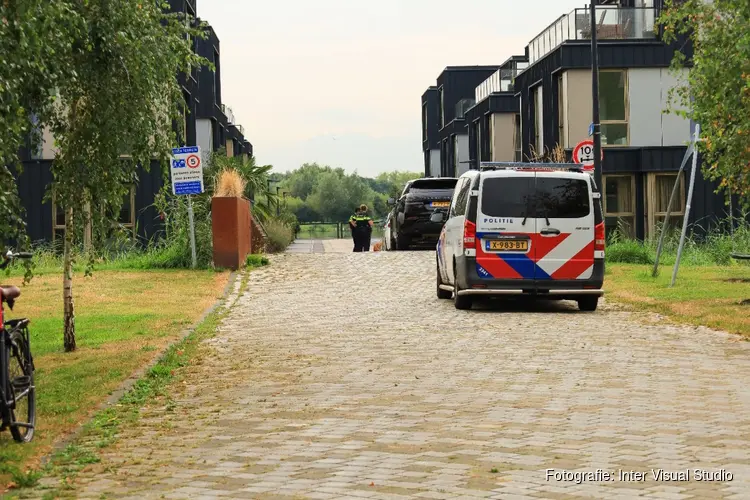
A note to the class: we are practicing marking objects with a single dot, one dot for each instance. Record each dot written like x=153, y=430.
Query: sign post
x=187, y=179
x=583, y=154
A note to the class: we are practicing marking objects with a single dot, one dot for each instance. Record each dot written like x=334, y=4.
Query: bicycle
x=17, y=391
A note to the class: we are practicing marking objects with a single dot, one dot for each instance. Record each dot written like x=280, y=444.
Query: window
x=562, y=198
x=126, y=218
x=478, y=125
x=442, y=108
x=507, y=196
x=491, y=137
x=538, y=121
x=58, y=222
x=424, y=121
x=658, y=190
x=456, y=165
x=517, y=139
x=458, y=203
x=561, y=115
x=619, y=204
x=613, y=107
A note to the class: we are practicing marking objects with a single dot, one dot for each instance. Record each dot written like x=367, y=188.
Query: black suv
x=410, y=220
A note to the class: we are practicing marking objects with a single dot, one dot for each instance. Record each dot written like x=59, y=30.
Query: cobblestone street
x=341, y=375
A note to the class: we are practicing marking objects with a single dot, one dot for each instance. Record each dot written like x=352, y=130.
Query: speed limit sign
x=583, y=153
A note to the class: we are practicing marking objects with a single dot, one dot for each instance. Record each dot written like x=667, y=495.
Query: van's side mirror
x=391, y=201
x=437, y=217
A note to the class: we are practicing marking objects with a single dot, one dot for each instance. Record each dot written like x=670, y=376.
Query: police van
x=525, y=229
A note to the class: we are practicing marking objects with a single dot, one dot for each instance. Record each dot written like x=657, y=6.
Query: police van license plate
x=507, y=245
x=440, y=204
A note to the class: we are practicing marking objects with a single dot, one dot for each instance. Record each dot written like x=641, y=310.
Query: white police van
x=526, y=229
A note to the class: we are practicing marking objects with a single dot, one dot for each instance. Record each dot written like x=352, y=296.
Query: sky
x=339, y=82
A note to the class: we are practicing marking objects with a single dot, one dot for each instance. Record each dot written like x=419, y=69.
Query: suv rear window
x=506, y=196
x=562, y=198
x=433, y=184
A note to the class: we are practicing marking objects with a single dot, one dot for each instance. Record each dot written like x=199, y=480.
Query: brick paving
x=340, y=375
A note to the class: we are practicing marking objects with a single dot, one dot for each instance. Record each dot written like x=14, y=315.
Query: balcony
x=463, y=106
x=229, y=113
x=618, y=23
x=501, y=80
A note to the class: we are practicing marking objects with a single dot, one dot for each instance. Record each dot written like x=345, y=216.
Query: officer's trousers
x=361, y=241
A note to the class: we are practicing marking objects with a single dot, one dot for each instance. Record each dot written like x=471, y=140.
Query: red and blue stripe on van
x=541, y=261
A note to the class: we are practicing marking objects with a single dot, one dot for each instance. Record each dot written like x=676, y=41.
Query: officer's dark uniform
x=361, y=231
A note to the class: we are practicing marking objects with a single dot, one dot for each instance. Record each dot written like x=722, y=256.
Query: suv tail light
x=470, y=234
x=599, y=238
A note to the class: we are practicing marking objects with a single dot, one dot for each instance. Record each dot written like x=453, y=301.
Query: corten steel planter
x=230, y=221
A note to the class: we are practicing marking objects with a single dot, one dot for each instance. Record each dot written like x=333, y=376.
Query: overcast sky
x=339, y=82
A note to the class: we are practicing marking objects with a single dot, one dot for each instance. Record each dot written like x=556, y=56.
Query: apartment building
x=443, y=123
x=543, y=100
x=209, y=124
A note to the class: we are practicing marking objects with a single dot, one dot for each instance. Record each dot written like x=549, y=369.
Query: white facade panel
x=645, y=105
x=462, y=154
x=675, y=129
x=204, y=133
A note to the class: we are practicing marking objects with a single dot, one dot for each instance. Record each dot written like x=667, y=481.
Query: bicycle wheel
x=21, y=386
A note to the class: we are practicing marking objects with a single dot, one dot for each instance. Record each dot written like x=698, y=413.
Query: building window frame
x=517, y=142
x=652, y=215
x=130, y=225
x=626, y=100
x=620, y=215
x=562, y=117
x=538, y=92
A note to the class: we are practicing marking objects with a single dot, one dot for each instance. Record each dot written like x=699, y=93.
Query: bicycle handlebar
x=9, y=256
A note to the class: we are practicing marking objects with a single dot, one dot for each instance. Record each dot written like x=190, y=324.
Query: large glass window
x=507, y=197
x=538, y=121
x=517, y=139
x=613, y=107
x=659, y=190
x=619, y=204
x=562, y=198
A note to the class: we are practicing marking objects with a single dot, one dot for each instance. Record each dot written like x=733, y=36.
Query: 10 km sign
x=187, y=171
x=583, y=154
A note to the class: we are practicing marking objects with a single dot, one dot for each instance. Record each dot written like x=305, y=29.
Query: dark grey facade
x=430, y=128
x=456, y=87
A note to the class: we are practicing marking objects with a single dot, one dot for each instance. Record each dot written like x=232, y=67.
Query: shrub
x=256, y=260
x=279, y=235
x=629, y=252
x=230, y=184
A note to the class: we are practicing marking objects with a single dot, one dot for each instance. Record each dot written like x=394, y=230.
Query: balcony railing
x=228, y=112
x=624, y=23
x=500, y=81
x=463, y=106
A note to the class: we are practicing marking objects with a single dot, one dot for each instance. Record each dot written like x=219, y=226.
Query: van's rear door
x=565, y=225
x=506, y=225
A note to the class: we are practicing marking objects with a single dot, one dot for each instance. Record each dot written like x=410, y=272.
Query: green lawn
x=123, y=319
x=702, y=295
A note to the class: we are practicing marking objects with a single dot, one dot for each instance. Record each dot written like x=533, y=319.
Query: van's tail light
x=470, y=234
x=599, y=238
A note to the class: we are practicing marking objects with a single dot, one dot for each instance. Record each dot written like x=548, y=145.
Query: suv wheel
x=460, y=301
x=441, y=294
x=588, y=303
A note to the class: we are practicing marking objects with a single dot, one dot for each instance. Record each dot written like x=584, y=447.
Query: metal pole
x=687, y=206
x=672, y=197
x=192, y=231
x=595, y=98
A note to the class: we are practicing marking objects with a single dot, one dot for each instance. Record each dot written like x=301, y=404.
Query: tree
x=32, y=35
x=115, y=110
x=396, y=181
x=302, y=181
x=717, y=92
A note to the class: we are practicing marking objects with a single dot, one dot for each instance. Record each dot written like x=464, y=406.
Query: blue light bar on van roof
x=512, y=165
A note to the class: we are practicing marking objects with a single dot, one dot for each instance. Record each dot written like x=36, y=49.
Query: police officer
x=361, y=225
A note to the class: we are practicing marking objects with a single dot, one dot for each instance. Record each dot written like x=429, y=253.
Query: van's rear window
x=507, y=196
x=562, y=198
x=433, y=184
